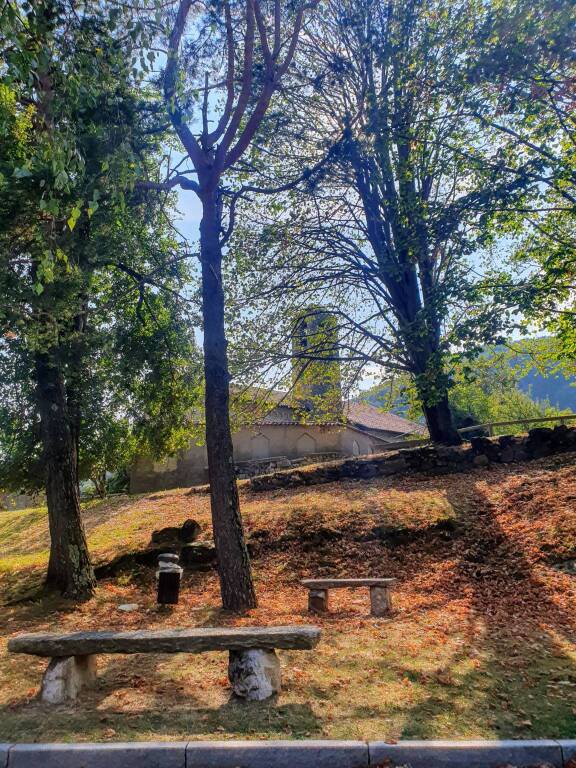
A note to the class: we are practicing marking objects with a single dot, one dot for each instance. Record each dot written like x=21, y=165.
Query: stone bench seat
x=253, y=669
x=380, y=593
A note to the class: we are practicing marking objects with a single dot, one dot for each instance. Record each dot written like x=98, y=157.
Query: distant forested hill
x=555, y=386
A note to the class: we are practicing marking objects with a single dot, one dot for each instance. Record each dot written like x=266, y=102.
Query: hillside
x=558, y=389
x=481, y=643
x=545, y=384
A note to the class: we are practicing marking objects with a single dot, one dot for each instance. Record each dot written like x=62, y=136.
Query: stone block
x=345, y=583
x=466, y=754
x=540, y=441
x=317, y=600
x=511, y=448
x=198, y=555
x=193, y=640
x=65, y=677
x=121, y=755
x=568, y=747
x=380, y=601
x=255, y=674
x=277, y=754
x=393, y=466
x=488, y=446
x=561, y=436
x=367, y=470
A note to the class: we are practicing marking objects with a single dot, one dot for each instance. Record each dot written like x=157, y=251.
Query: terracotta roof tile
x=370, y=417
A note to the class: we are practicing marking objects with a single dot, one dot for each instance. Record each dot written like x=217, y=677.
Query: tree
x=521, y=85
x=242, y=51
x=28, y=238
x=488, y=391
x=69, y=108
x=137, y=378
x=386, y=239
x=484, y=390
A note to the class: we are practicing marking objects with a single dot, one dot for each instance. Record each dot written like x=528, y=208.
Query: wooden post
x=380, y=601
x=317, y=600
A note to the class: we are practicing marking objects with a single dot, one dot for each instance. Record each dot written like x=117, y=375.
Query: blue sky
x=191, y=213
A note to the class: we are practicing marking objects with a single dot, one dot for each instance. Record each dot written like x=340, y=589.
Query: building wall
x=292, y=441
x=9, y=501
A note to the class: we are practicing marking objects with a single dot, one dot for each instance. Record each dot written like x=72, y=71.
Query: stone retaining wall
x=435, y=459
x=292, y=754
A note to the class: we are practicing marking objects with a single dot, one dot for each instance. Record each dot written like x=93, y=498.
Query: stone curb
x=122, y=755
x=465, y=754
x=277, y=754
x=568, y=747
x=291, y=754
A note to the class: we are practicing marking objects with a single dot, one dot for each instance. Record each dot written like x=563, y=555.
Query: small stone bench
x=380, y=589
x=253, y=668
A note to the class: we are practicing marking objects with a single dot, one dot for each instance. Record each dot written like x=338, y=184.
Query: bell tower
x=316, y=376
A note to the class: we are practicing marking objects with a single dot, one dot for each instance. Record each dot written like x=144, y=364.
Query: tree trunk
x=236, y=584
x=432, y=387
x=440, y=424
x=73, y=383
x=69, y=567
x=99, y=482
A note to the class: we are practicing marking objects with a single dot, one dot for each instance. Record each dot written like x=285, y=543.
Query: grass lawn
x=481, y=643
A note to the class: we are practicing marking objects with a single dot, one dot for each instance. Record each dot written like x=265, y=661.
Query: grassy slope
x=481, y=643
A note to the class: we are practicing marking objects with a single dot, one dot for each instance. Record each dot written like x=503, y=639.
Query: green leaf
x=61, y=180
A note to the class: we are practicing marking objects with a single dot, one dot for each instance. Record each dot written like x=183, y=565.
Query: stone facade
x=263, y=441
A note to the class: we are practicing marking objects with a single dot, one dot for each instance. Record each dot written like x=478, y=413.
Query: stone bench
x=253, y=668
x=380, y=593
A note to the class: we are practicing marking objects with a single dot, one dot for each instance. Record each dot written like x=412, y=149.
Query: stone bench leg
x=380, y=601
x=254, y=673
x=66, y=676
x=317, y=600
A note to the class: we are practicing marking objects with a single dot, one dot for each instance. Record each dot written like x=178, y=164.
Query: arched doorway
x=260, y=446
x=305, y=445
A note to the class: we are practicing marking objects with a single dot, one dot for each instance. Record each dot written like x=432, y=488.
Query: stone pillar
x=66, y=676
x=380, y=601
x=254, y=673
x=317, y=600
x=168, y=577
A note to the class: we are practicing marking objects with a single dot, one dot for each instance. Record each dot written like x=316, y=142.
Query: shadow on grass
x=518, y=669
x=168, y=705
x=507, y=665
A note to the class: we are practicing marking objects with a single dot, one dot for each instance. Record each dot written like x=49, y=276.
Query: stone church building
x=280, y=439
x=308, y=424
